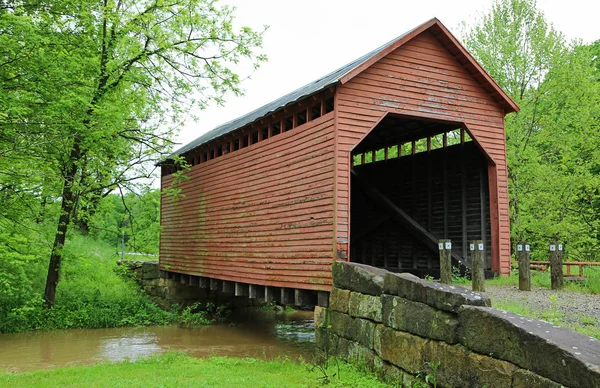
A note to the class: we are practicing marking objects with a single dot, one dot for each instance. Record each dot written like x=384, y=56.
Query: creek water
x=260, y=335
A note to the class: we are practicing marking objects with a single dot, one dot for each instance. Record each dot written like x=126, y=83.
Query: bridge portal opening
x=414, y=182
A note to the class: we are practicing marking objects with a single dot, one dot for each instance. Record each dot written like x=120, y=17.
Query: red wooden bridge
x=372, y=163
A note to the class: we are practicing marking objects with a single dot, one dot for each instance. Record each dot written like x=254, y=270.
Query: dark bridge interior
x=414, y=182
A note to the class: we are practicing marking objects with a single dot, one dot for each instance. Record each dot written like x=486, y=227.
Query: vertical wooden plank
x=524, y=266
x=463, y=204
x=445, y=247
x=374, y=252
x=304, y=297
x=228, y=287
x=482, y=206
x=477, y=265
x=385, y=247
x=323, y=298
x=272, y=294
x=241, y=289
x=494, y=216
x=429, y=194
x=203, y=282
x=413, y=205
x=446, y=194
x=253, y=291
x=215, y=284
x=288, y=296
x=556, y=266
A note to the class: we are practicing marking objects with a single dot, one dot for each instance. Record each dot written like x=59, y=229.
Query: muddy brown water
x=261, y=336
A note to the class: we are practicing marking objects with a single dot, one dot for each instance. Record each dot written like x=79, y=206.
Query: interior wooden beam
x=420, y=233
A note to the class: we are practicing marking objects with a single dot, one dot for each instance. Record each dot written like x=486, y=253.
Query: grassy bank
x=93, y=292
x=177, y=370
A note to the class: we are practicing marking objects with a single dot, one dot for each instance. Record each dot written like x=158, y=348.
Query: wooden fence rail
x=542, y=265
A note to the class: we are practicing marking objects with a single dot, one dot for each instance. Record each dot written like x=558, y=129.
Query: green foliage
x=135, y=215
x=178, y=370
x=92, y=94
x=200, y=314
x=427, y=377
x=92, y=294
x=552, y=143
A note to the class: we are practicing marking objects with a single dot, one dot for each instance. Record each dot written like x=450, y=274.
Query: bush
x=90, y=294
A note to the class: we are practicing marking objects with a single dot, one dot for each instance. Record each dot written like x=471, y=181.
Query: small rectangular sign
x=481, y=247
x=520, y=248
x=560, y=247
x=552, y=248
x=441, y=246
x=472, y=247
x=527, y=248
x=448, y=245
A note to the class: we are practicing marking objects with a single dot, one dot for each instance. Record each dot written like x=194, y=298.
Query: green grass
x=541, y=279
x=178, y=370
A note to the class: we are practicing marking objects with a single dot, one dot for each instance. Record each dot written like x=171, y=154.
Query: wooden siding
x=261, y=215
x=422, y=79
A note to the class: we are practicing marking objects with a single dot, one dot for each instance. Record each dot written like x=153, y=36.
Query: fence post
x=445, y=261
x=524, y=268
x=556, y=270
x=478, y=275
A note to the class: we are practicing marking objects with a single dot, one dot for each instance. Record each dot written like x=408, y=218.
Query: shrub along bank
x=93, y=293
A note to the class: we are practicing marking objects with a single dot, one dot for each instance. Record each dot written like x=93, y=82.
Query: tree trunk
x=66, y=211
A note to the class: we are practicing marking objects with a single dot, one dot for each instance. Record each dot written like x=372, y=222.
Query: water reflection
x=261, y=335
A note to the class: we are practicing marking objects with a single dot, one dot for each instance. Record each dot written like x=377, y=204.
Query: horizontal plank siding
x=423, y=79
x=261, y=215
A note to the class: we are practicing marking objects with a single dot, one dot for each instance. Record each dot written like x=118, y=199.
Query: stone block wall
x=397, y=324
x=177, y=290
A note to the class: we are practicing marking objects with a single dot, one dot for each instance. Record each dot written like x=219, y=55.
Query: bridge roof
x=347, y=72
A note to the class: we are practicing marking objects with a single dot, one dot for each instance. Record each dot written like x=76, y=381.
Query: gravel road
x=572, y=306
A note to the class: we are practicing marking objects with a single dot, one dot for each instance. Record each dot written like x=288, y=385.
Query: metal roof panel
x=290, y=98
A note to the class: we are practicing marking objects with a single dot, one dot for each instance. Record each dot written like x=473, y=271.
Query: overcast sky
x=307, y=39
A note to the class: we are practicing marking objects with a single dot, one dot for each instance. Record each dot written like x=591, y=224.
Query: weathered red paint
x=277, y=212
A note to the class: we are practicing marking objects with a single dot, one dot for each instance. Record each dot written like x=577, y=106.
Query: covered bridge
x=372, y=163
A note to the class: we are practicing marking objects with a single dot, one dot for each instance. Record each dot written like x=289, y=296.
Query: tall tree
x=118, y=77
x=550, y=147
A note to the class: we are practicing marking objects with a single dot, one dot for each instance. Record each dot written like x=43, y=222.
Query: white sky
x=307, y=39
